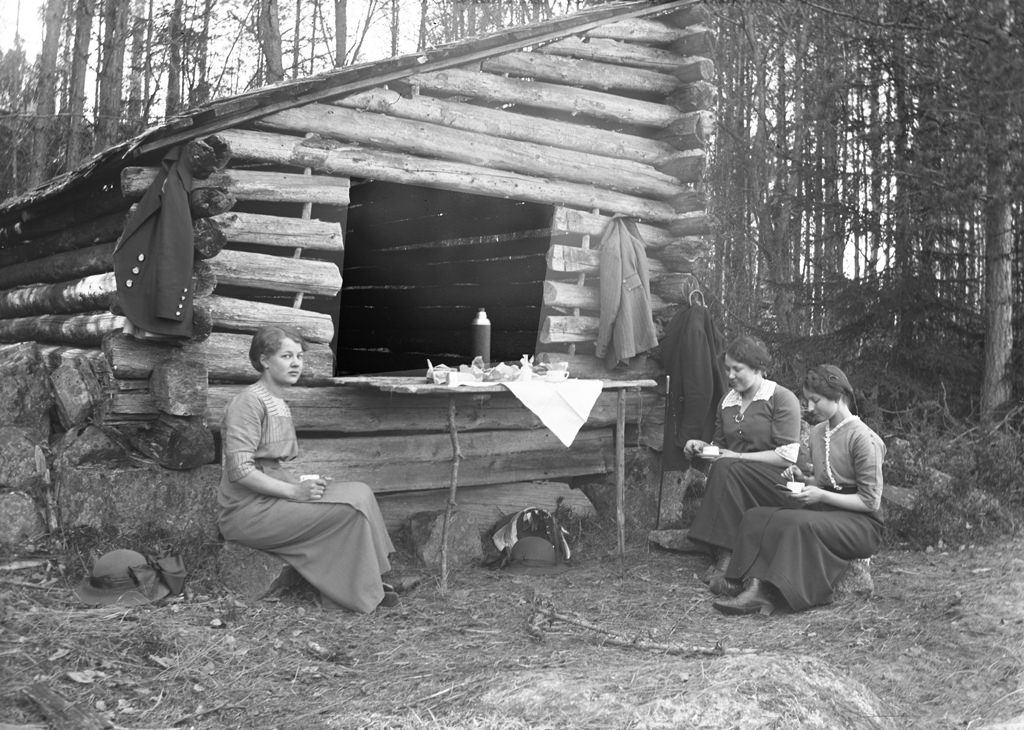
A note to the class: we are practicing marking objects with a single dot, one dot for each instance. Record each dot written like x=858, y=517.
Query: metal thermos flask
x=482, y=336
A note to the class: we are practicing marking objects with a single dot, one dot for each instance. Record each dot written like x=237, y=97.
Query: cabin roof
x=234, y=110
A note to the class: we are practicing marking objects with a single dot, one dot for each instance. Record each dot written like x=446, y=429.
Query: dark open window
x=420, y=262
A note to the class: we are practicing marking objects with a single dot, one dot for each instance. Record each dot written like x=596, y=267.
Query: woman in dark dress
x=757, y=432
x=796, y=553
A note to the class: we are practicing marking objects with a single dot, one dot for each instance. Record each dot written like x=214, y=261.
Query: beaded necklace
x=828, y=449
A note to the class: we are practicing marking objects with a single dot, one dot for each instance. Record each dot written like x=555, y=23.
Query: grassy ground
x=630, y=643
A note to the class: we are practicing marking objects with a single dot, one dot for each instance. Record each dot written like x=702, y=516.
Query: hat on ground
x=535, y=555
x=124, y=577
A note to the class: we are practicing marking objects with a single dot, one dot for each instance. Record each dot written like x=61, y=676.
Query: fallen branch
x=635, y=642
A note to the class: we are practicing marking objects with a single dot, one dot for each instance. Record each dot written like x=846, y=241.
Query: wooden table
x=417, y=386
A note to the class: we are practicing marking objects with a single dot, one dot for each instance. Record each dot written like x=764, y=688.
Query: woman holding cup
x=757, y=435
x=796, y=552
x=333, y=534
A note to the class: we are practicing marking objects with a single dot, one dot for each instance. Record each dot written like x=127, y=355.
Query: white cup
x=304, y=477
x=795, y=487
x=710, y=450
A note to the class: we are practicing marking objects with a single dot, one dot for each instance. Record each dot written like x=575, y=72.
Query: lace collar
x=764, y=392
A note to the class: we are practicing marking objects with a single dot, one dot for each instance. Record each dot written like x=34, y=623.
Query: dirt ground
x=610, y=643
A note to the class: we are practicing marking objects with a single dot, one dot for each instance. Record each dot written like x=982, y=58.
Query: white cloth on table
x=563, y=407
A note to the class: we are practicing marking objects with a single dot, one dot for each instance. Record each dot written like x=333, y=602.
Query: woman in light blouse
x=333, y=534
x=794, y=554
x=757, y=432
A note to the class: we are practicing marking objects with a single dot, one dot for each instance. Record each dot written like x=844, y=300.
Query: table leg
x=620, y=471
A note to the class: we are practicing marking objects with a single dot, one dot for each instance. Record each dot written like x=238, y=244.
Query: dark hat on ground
x=535, y=556
x=123, y=577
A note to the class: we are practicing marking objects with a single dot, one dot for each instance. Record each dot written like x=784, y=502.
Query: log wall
x=615, y=121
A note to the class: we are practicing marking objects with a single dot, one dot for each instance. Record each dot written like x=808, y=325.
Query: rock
x=675, y=540
x=20, y=521
x=22, y=460
x=253, y=573
x=856, y=581
x=464, y=545
x=25, y=394
x=140, y=502
x=901, y=497
x=89, y=445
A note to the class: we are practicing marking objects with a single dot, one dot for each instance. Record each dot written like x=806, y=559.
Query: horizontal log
x=89, y=233
x=76, y=330
x=681, y=255
x=275, y=187
x=577, y=260
x=60, y=267
x=695, y=69
x=563, y=295
x=406, y=169
x=691, y=131
x=486, y=505
x=226, y=356
x=56, y=355
x=612, y=51
x=673, y=288
x=509, y=125
x=207, y=155
x=276, y=273
x=646, y=402
x=242, y=315
x=207, y=239
x=696, y=14
x=442, y=142
x=358, y=409
x=689, y=201
x=206, y=202
x=272, y=230
x=694, y=97
x=697, y=40
x=89, y=294
x=637, y=30
x=414, y=462
x=582, y=73
x=66, y=211
x=697, y=223
x=586, y=102
x=567, y=220
x=687, y=166
x=557, y=328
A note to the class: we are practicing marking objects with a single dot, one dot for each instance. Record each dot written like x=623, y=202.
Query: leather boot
x=753, y=599
x=720, y=566
x=722, y=586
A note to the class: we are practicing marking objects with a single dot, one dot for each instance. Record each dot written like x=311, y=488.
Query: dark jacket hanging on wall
x=154, y=255
x=691, y=354
x=625, y=328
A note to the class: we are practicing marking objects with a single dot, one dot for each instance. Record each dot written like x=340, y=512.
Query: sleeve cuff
x=789, y=452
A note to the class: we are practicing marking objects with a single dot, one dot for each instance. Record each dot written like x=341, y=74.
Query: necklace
x=828, y=449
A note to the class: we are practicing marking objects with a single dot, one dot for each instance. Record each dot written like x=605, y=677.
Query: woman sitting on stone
x=332, y=534
x=757, y=434
x=798, y=552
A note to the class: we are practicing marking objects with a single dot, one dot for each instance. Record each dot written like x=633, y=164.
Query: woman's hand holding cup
x=311, y=487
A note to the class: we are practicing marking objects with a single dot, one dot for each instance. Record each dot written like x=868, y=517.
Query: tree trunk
x=996, y=385
x=111, y=74
x=135, y=122
x=270, y=41
x=84, y=11
x=43, y=122
x=340, y=32
x=175, y=33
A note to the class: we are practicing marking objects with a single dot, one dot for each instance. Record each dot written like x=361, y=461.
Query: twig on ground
x=636, y=642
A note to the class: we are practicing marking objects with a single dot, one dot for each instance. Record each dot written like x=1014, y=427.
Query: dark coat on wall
x=154, y=255
x=691, y=354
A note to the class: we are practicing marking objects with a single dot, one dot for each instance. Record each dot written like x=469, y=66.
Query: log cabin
x=375, y=208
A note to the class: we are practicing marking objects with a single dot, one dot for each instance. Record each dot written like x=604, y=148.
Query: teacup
x=795, y=487
x=710, y=450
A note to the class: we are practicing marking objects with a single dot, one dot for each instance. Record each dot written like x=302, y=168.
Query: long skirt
x=341, y=547
x=733, y=487
x=802, y=552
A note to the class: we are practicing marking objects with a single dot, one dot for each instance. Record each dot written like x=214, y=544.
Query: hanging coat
x=154, y=255
x=691, y=354
x=626, y=327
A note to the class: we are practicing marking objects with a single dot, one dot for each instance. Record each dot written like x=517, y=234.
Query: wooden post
x=453, y=431
x=620, y=471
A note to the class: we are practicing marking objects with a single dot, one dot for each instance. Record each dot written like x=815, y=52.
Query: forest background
x=865, y=179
